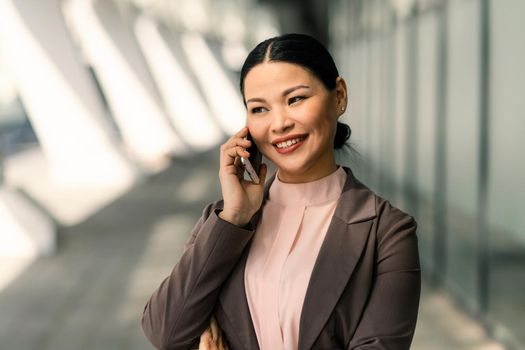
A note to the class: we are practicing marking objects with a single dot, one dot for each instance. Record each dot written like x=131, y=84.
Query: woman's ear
x=341, y=95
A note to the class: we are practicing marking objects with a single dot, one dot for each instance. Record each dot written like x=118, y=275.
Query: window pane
x=462, y=148
x=426, y=134
x=507, y=166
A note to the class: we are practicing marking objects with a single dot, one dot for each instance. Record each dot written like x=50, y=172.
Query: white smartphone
x=252, y=165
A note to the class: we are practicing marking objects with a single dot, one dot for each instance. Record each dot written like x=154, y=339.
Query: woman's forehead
x=274, y=75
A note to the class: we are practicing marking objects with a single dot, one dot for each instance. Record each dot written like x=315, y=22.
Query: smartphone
x=252, y=165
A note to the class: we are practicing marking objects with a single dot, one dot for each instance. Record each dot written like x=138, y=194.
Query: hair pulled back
x=305, y=51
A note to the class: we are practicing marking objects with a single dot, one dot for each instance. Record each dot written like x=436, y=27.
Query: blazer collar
x=341, y=250
x=356, y=203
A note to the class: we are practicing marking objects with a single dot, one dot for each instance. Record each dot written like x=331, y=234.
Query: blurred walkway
x=441, y=326
x=91, y=294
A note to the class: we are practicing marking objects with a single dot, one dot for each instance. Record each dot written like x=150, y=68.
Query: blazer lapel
x=344, y=242
x=233, y=296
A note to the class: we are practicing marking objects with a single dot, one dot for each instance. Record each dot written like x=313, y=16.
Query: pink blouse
x=293, y=225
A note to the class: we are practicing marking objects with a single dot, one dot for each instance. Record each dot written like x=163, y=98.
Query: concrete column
x=59, y=95
x=186, y=107
x=222, y=95
x=108, y=43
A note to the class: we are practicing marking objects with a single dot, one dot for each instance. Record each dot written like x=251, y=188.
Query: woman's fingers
x=230, y=160
x=240, y=142
x=229, y=155
x=240, y=169
x=206, y=340
x=237, y=151
x=242, y=133
x=236, y=140
x=211, y=338
x=220, y=343
x=217, y=335
x=262, y=173
x=214, y=329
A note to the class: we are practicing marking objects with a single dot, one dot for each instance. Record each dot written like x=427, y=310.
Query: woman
x=312, y=260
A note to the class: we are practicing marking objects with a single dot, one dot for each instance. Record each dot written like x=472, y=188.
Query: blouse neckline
x=315, y=192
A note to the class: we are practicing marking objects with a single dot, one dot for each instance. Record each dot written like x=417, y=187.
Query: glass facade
x=427, y=83
x=436, y=109
x=462, y=117
x=506, y=164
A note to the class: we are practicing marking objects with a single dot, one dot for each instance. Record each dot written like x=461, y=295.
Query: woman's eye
x=296, y=99
x=258, y=110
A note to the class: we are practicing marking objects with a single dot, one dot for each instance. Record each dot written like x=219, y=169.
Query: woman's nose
x=281, y=122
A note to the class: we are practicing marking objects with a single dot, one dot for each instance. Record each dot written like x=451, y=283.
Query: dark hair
x=305, y=51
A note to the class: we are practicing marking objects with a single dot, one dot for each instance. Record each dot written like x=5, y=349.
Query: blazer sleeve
x=179, y=310
x=389, y=319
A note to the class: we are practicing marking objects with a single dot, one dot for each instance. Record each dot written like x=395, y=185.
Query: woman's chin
x=291, y=173
x=303, y=170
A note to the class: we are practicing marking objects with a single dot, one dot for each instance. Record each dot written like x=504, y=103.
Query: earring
x=343, y=109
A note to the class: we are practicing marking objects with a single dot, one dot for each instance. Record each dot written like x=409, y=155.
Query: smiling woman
x=293, y=119
x=311, y=259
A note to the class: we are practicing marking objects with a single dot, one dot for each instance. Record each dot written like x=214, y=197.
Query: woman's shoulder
x=388, y=216
x=392, y=220
x=395, y=233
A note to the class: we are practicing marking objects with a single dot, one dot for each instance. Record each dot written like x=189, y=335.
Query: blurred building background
x=112, y=111
x=437, y=111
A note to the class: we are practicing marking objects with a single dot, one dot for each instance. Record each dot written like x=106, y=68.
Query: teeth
x=289, y=142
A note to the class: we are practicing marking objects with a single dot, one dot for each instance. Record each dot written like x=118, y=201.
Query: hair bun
x=342, y=134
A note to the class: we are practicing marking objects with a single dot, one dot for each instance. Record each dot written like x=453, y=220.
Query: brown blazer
x=363, y=292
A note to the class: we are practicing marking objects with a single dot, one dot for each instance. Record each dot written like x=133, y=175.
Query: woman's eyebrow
x=285, y=92
x=292, y=89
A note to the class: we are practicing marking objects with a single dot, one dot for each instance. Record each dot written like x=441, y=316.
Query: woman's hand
x=211, y=339
x=241, y=198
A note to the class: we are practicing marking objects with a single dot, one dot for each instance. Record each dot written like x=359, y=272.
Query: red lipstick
x=289, y=149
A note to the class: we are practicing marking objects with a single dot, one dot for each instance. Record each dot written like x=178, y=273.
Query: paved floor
x=91, y=294
x=442, y=326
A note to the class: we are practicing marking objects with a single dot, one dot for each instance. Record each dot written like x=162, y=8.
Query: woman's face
x=292, y=117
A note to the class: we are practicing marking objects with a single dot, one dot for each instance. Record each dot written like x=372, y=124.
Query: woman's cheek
x=256, y=129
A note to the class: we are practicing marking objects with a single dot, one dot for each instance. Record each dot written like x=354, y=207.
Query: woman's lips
x=289, y=149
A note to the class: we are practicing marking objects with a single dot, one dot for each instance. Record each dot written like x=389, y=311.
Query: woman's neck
x=317, y=172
